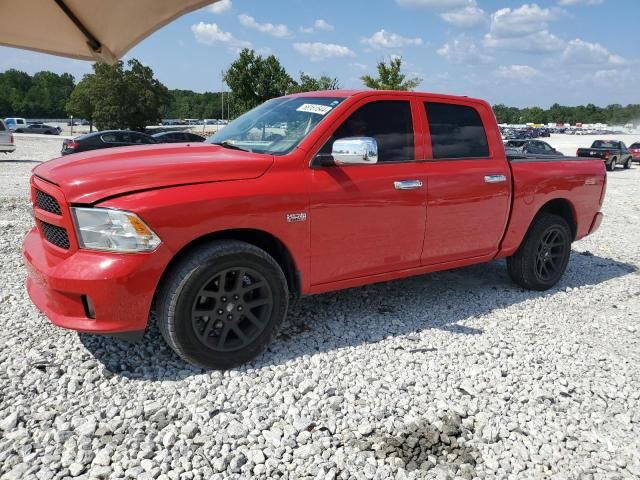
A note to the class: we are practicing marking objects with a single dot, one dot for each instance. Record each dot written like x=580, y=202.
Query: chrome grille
x=55, y=235
x=46, y=202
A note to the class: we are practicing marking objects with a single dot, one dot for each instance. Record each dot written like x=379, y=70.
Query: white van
x=13, y=123
x=6, y=139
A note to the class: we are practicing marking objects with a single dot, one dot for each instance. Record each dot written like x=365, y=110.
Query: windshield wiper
x=231, y=146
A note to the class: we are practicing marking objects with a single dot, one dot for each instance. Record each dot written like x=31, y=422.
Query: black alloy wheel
x=543, y=255
x=231, y=309
x=222, y=303
x=550, y=253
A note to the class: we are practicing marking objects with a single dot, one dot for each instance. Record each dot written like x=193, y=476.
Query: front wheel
x=611, y=166
x=543, y=256
x=222, y=305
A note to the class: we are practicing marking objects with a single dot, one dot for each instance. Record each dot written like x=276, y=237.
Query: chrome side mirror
x=355, y=151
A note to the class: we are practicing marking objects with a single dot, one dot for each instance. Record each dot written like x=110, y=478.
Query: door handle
x=495, y=178
x=407, y=184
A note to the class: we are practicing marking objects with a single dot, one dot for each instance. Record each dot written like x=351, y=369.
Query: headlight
x=113, y=230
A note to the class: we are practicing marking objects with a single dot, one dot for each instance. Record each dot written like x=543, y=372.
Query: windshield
x=277, y=126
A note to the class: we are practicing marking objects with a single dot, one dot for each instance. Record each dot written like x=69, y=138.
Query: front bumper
x=120, y=286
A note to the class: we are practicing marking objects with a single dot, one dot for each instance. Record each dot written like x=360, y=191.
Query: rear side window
x=388, y=121
x=2, y=127
x=109, y=138
x=456, y=131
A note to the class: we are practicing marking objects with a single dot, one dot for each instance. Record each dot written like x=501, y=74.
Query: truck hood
x=92, y=176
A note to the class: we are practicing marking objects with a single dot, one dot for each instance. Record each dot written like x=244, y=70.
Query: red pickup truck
x=305, y=194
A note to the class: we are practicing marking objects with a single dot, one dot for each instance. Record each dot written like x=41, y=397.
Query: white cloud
x=435, y=4
x=321, y=24
x=279, y=30
x=463, y=51
x=524, y=29
x=210, y=33
x=580, y=2
x=540, y=42
x=220, y=7
x=469, y=16
x=579, y=52
x=521, y=21
x=384, y=39
x=321, y=51
x=358, y=66
x=518, y=72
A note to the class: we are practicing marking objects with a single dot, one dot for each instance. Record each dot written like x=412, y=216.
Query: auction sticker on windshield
x=314, y=108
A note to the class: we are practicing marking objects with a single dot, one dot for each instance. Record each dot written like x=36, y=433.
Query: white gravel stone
x=456, y=375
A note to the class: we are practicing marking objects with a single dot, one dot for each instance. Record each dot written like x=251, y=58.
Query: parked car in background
x=634, y=149
x=613, y=152
x=531, y=147
x=6, y=139
x=177, y=137
x=105, y=139
x=39, y=128
x=13, y=122
x=361, y=187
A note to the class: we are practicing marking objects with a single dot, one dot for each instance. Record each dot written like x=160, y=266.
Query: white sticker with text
x=314, y=108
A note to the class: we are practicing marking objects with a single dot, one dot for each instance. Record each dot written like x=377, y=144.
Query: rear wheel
x=543, y=256
x=223, y=304
x=627, y=164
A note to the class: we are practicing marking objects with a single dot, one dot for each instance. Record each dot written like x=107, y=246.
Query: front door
x=369, y=219
x=468, y=189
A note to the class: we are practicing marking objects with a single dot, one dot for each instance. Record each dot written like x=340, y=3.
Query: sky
x=520, y=54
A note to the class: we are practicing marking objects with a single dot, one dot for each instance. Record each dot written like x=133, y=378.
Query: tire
x=210, y=322
x=628, y=163
x=611, y=166
x=542, y=258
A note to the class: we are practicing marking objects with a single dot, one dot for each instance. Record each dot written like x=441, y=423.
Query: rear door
x=469, y=184
x=369, y=219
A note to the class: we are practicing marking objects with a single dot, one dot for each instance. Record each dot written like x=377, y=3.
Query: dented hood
x=92, y=176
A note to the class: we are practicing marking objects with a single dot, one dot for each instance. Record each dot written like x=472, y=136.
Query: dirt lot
x=458, y=374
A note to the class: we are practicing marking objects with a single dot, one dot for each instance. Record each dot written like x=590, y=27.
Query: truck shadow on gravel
x=366, y=315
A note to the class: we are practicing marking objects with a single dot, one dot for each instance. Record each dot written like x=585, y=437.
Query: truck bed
x=536, y=181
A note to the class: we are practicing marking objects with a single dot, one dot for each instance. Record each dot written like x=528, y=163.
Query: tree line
x=129, y=96
x=615, y=114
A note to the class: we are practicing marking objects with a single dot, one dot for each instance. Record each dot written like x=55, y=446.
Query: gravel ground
x=450, y=375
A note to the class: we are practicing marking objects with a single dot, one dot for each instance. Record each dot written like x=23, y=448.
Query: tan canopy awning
x=102, y=30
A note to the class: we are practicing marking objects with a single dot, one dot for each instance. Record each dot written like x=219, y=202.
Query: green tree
x=81, y=101
x=308, y=83
x=390, y=77
x=122, y=98
x=254, y=80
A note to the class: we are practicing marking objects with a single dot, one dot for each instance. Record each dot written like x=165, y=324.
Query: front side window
x=276, y=127
x=388, y=121
x=456, y=131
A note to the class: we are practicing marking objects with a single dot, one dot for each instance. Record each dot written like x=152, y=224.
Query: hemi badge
x=590, y=181
x=296, y=217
